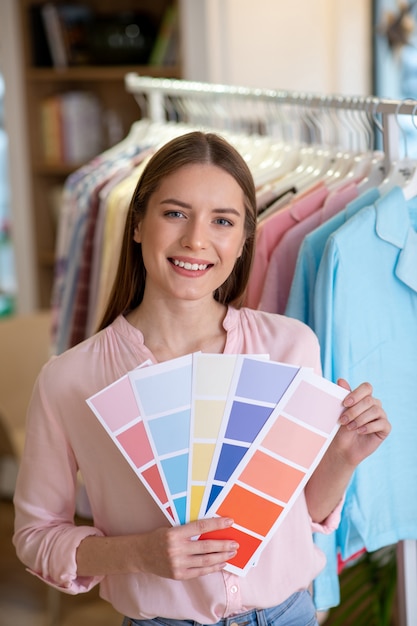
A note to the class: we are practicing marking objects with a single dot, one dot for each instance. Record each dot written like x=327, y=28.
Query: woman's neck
x=178, y=329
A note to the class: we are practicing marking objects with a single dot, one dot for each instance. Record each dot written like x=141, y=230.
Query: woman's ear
x=137, y=236
x=239, y=254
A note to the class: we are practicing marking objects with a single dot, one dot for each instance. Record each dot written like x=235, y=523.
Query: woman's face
x=192, y=232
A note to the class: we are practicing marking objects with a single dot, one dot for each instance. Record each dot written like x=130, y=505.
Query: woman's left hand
x=364, y=424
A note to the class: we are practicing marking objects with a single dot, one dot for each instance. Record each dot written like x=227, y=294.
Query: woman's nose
x=194, y=236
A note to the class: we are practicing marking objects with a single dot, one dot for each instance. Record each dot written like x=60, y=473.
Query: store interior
x=357, y=57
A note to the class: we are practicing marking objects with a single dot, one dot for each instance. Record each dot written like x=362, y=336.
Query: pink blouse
x=64, y=437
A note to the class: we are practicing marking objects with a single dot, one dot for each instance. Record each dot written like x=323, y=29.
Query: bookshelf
x=96, y=74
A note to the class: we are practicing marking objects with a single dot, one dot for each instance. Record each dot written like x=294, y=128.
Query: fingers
x=202, y=558
x=343, y=383
x=363, y=412
x=188, y=557
x=210, y=546
x=366, y=420
x=209, y=556
x=202, y=526
x=364, y=390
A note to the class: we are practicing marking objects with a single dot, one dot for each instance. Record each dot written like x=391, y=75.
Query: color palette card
x=255, y=389
x=281, y=459
x=212, y=376
x=223, y=435
x=163, y=395
x=116, y=408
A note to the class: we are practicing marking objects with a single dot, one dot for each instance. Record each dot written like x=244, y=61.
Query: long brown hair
x=189, y=149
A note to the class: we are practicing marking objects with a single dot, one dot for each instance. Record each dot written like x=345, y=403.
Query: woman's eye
x=223, y=221
x=174, y=214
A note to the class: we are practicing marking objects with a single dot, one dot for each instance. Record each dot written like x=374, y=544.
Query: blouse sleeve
x=331, y=522
x=45, y=536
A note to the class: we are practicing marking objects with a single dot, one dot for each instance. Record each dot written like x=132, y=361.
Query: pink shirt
x=64, y=436
x=270, y=231
x=283, y=260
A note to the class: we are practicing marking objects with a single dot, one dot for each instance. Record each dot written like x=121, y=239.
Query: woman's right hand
x=173, y=553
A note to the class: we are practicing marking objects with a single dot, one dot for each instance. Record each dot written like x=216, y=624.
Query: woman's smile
x=191, y=265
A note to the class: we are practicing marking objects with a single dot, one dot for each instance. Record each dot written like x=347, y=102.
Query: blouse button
x=233, y=589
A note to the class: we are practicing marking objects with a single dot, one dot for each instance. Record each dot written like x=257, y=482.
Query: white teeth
x=190, y=266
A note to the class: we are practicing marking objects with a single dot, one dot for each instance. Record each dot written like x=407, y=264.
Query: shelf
x=58, y=169
x=99, y=73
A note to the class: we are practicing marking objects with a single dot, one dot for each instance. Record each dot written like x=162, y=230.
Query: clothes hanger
x=270, y=156
x=363, y=156
x=368, y=166
x=403, y=172
x=312, y=158
x=352, y=162
x=410, y=187
x=282, y=156
x=377, y=172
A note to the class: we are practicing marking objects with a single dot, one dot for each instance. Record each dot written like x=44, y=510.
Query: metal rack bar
x=156, y=89
x=176, y=87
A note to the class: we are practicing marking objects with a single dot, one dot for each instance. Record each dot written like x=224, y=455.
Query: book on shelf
x=81, y=126
x=40, y=49
x=66, y=29
x=55, y=35
x=71, y=128
x=51, y=130
x=165, y=48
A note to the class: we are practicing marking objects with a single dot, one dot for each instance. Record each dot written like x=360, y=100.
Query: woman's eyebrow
x=185, y=205
x=227, y=210
x=176, y=202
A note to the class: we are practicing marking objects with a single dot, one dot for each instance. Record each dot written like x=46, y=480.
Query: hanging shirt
x=82, y=300
x=365, y=317
x=301, y=306
x=270, y=231
x=117, y=209
x=280, y=272
x=97, y=251
x=79, y=189
x=300, y=300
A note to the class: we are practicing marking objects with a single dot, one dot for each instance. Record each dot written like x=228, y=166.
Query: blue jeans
x=297, y=610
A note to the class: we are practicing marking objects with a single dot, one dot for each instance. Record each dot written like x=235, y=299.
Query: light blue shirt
x=300, y=305
x=365, y=312
x=300, y=300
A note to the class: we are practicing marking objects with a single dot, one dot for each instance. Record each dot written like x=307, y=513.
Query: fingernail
x=234, y=546
x=344, y=419
x=229, y=522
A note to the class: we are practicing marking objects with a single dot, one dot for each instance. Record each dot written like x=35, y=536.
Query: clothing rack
x=151, y=94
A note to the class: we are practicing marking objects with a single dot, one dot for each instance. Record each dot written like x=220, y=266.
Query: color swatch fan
x=223, y=435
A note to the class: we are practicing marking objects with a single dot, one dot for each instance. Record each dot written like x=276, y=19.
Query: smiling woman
x=222, y=183
x=194, y=228
x=184, y=266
